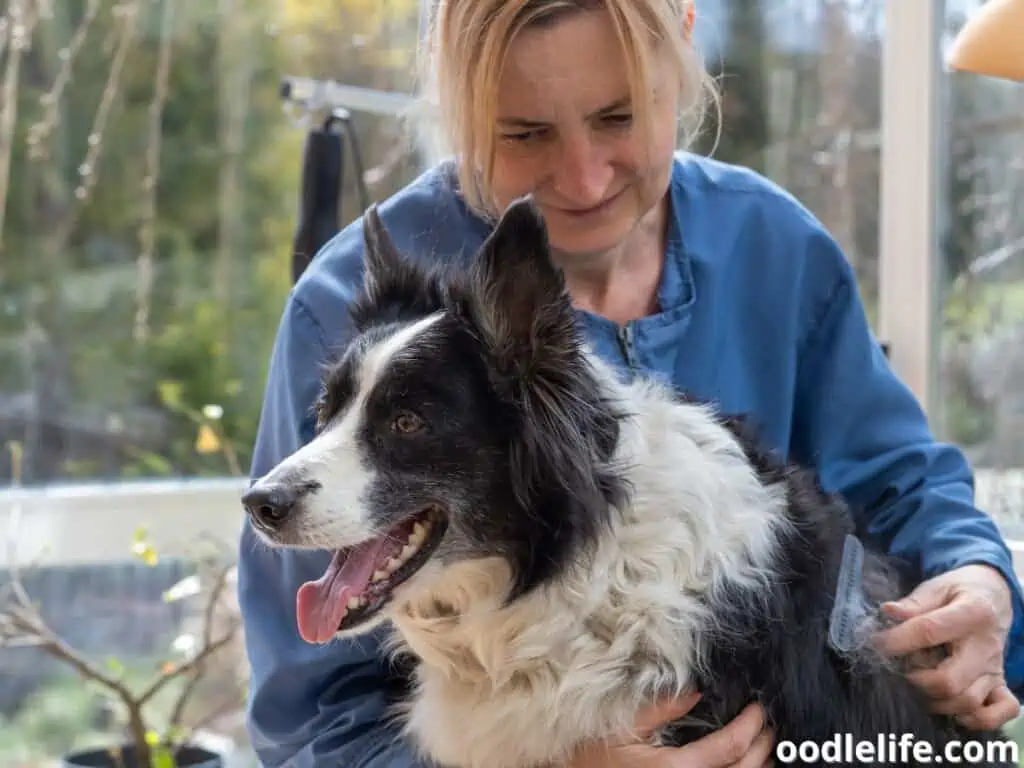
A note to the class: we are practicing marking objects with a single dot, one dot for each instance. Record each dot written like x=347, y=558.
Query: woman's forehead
x=576, y=63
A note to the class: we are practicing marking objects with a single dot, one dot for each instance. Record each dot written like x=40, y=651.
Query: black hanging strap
x=323, y=172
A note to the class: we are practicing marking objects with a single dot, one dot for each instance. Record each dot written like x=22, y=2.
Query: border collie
x=556, y=547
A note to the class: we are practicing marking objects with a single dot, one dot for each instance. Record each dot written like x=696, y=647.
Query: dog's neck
x=457, y=622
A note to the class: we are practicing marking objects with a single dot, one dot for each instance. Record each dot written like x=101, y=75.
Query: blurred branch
x=195, y=675
x=22, y=624
x=147, y=234
x=40, y=132
x=19, y=24
x=128, y=13
x=838, y=115
x=234, y=81
x=5, y=33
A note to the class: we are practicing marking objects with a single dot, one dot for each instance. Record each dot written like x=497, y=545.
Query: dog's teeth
x=419, y=532
x=396, y=562
x=354, y=602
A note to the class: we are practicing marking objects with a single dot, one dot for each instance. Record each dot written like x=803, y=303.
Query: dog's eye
x=321, y=413
x=407, y=423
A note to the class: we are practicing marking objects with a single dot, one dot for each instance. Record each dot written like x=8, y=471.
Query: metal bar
x=908, y=297
x=329, y=95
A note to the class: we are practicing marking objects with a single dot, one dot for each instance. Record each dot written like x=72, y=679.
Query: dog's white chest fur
x=515, y=687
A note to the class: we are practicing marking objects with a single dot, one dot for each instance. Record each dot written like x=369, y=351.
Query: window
x=149, y=199
x=980, y=320
x=150, y=193
x=801, y=104
x=146, y=262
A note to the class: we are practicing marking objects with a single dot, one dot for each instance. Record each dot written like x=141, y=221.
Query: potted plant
x=196, y=656
x=147, y=743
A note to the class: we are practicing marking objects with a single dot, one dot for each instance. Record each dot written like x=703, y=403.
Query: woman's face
x=565, y=134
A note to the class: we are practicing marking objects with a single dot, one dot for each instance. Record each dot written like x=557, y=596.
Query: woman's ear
x=689, y=19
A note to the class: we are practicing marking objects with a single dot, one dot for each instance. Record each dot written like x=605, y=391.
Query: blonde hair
x=465, y=50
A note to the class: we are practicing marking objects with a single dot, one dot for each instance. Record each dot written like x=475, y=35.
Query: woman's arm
x=913, y=495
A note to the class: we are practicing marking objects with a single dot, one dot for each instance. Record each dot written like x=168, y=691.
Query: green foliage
x=68, y=716
x=69, y=275
x=190, y=364
x=58, y=719
x=977, y=308
x=182, y=399
x=227, y=193
x=970, y=312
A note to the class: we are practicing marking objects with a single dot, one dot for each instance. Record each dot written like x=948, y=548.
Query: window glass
x=802, y=104
x=980, y=321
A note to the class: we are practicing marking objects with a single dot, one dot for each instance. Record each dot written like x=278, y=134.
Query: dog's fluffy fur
x=603, y=543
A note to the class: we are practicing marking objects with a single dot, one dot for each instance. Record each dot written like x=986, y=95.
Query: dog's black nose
x=270, y=505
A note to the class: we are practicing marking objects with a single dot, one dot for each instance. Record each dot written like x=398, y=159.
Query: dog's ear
x=519, y=300
x=383, y=263
x=395, y=287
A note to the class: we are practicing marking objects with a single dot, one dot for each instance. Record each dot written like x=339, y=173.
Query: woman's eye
x=619, y=121
x=522, y=137
x=407, y=423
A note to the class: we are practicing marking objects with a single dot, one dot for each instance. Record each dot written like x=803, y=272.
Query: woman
x=679, y=267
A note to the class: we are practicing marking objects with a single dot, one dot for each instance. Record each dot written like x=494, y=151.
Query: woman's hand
x=969, y=611
x=744, y=743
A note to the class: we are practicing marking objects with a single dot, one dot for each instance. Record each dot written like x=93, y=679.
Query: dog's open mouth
x=360, y=580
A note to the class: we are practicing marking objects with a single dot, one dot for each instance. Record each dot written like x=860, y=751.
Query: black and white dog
x=557, y=547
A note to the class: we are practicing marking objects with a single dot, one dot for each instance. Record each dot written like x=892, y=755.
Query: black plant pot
x=186, y=757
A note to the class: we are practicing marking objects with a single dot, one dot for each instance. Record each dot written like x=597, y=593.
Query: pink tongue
x=321, y=605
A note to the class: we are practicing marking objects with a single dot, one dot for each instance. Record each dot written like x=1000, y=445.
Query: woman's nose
x=583, y=172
